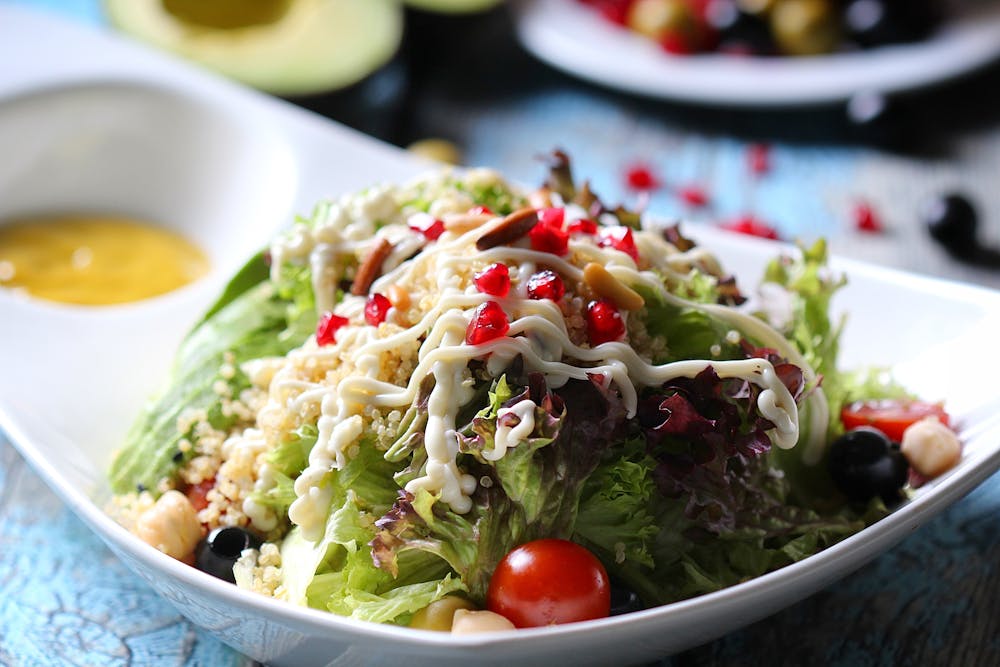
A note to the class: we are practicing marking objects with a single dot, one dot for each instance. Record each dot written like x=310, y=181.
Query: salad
x=458, y=404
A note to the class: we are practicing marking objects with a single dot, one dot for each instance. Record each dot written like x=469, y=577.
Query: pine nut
x=604, y=284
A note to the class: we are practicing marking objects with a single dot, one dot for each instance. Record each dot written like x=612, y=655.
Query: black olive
x=217, y=553
x=952, y=220
x=864, y=464
x=875, y=23
x=878, y=119
x=739, y=31
x=623, y=599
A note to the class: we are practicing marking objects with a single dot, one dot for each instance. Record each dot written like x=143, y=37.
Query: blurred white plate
x=577, y=40
x=87, y=120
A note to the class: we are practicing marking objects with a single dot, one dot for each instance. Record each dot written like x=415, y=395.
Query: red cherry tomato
x=198, y=494
x=549, y=581
x=890, y=416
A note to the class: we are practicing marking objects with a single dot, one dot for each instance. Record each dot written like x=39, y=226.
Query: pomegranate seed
x=582, y=226
x=546, y=285
x=546, y=238
x=616, y=12
x=676, y=44
x=751, y=226
x=641, y=177
x=759, y=159
x=481, y=210
x=619, y=238
x=693, y=195
x=376, y=309
x=865, y=218
x=427, y=225
x=493, y=280
x=326, y=329
x=553, y=217
x=604, y=322
x=489, y=322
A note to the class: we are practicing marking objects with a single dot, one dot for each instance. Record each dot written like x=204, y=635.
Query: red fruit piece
x=759, y=159
x=582, y=226
x=619, y=238
x=489, y=322
x=641, y=177
x=326, y=329
x=493, y=280
x=604, y=322
x=865, y=218
x=676, y=44
x=197, y=494
x=376, y=309
x=427, y=225
x=546, y=238
x=553, y=217
x=693, y=195
x=481, y=210
x=546, y=285
x=751, y=226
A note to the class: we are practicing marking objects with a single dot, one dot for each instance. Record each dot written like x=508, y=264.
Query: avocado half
x=453, y=6
x=285, y=47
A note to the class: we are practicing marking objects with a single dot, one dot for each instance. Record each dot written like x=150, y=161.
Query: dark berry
x=872, y=23
x=217, y=553
x=951, y=220
x=739, y=31
x=623, y=599
x=864, y=464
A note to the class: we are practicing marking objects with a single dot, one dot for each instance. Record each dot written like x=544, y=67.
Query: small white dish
x=575, y=39
x=74, y=378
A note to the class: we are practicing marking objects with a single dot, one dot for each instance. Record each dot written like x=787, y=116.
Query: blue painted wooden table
x=933, y=600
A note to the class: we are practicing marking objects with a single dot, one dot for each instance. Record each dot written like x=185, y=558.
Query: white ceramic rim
x=574, y=39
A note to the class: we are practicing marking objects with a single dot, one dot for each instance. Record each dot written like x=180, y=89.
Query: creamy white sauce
x=538, y=333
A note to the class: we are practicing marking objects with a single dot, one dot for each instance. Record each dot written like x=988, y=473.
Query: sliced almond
x=604, y=284
x=513, y=227
x=371, y=267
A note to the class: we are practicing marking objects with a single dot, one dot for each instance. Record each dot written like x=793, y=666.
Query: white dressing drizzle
x=441, y=275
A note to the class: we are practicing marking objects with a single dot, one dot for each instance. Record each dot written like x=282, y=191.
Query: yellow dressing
x=95, y=260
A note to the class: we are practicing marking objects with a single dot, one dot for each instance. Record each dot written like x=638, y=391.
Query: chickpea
x=171, y=525
x=439, y=615
x=931, y=447
x=470, y=622
x=657, y=18
x=805, y=27
x=439, y=150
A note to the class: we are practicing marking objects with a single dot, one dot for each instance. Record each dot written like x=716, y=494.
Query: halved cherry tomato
x=549, y=581
x=890, y=416
x=198, y=494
